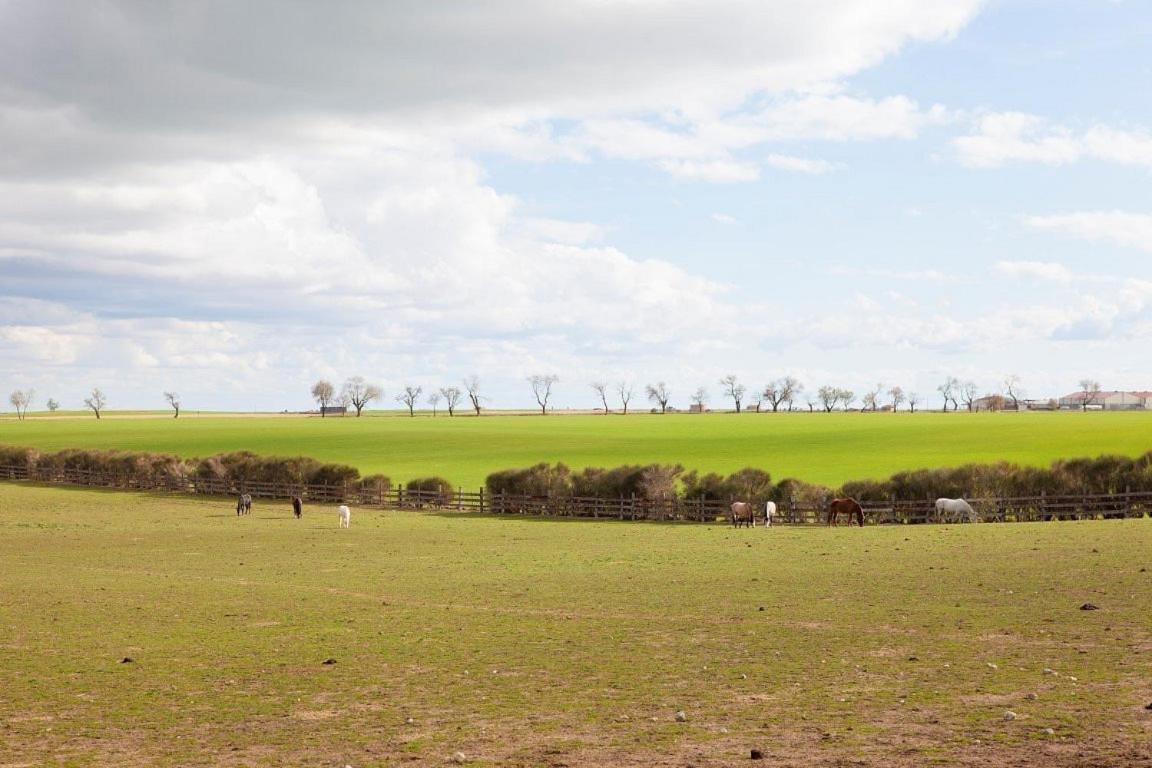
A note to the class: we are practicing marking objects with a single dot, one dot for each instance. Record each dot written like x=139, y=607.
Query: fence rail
x=1020, y=509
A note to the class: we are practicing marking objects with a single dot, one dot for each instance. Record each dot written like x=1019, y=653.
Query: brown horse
x=743, y=513
x=848, y=507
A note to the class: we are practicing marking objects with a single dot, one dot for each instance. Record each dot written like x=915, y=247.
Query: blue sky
x=234, y=202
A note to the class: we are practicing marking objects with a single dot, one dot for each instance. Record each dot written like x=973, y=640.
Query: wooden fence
x=1019, y=509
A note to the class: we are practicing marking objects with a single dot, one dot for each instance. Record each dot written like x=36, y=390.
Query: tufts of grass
x=530, y=642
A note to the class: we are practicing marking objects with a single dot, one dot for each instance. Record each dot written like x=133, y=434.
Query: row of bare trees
x=357, y=393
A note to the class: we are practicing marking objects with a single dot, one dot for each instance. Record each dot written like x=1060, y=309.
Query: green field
x=560, y=643
x=821, y=448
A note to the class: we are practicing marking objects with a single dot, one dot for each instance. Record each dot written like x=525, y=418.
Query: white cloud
x=715, y=148
x=799, y=164
x=1005, y=137
x=1039, y=270
x=1133, y=230
x=717, y=171
x=723, y=218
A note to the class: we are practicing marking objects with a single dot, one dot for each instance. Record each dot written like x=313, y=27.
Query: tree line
x=785, y=393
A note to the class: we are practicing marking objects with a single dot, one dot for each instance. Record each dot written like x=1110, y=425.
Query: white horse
x=769, y=513
x=345, y=516
x=955, y=511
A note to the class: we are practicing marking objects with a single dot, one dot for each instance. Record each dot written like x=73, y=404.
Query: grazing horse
x=954, y=511
x=297, y=507
x=743, y=513
x=849, y=507
x=345, y=516
x=769, y=513
x=244, y=504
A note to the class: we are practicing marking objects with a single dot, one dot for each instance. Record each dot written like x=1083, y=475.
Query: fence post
x=481, y=499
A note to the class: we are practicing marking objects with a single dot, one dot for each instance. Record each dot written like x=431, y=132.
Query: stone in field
x=757, y=754
x=459, y=757
x=1009, y=715
x=329, y=661
x=681, y=716
x=1089, y=607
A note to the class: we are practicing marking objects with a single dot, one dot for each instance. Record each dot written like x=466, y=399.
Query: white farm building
x=1108, y=401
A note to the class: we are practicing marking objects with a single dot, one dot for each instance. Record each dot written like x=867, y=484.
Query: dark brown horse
x=743, y=513
x=848, y=507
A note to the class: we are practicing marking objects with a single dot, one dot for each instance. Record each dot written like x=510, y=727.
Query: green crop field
x=822, y=448
x=554, y=643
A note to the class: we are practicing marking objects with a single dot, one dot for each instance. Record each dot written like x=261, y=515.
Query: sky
x=234, y=200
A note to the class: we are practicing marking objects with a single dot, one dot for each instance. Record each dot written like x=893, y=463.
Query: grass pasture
x=821, y=448
x=560, y=643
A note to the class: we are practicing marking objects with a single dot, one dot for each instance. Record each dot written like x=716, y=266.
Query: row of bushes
x=1103, y=475
x=157, y=469
x=1100, y=476
x=153, y=469
x=650, y=482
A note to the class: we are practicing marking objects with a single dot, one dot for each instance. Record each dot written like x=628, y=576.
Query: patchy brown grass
x=560, y=643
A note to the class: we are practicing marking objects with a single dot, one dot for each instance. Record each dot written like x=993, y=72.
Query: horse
x=955, y=511
x=345, y=516
x=244, y=504
x=743, y=513
x=849, y=507
x=769, y=513
x=297, y=507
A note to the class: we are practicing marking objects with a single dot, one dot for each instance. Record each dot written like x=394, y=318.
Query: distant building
x=992, y=403
x=334, y=410
x=1107, y=401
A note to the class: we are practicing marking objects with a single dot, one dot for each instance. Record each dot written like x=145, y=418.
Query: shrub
x=539, y=480
x=378, y=484
x=13, y=456
x=436, y=489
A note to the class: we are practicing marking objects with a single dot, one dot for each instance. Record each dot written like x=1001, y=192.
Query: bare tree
x=174, y=401
x=828, y=397
x=1091, y=393
x=792, y=389
x=409, y=397
x=322, y=393
x=659, y=393
x=898, y=396
x=601, y=388
x=53, y=406
x=359, y=393
x=451, y=398
x=472, y=384
x=700, y=398
x=968, y=393
x=20, y=400
x=624, y=390
x=542, y=389
x=913, y=401
x=434, y=401
x=948, y=390
x=733, y=389
x=1013, y=390
x=96, y=402
x=872, y=398
x=780, y=391
x=846, y=396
